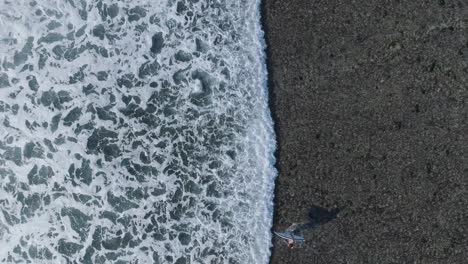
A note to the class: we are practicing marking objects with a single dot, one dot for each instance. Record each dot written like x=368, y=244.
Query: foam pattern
x=134, y=131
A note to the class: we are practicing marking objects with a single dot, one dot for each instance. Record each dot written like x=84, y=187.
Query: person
x=291, y=239
x=290, y=243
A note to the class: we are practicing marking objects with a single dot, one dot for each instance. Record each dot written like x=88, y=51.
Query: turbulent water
x=134, y=131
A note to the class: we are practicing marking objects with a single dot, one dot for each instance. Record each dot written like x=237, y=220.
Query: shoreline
x=271, y=105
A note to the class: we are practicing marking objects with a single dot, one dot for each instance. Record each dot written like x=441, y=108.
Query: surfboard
x=289, y=235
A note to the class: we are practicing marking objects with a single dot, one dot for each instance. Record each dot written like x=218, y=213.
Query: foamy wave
x=134, y=131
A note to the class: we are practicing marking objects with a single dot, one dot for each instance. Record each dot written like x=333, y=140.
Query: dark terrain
x=370, y=103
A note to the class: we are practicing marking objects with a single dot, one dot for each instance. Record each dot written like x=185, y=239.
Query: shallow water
x=134, y=132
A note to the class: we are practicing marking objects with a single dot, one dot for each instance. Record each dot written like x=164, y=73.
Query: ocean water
x=134, y=131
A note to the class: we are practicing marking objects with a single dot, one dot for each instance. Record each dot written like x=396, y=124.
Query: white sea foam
x=134, y=131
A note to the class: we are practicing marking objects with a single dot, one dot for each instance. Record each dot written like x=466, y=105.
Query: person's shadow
x=318, y=216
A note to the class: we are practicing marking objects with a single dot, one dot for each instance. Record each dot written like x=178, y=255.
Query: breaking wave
x=134, y=131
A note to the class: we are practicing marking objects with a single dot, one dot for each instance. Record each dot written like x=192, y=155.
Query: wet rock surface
x=370, y=108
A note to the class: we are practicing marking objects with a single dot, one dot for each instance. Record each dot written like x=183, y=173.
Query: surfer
x=291, y=239
x=290, y=243
x=318, y=215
